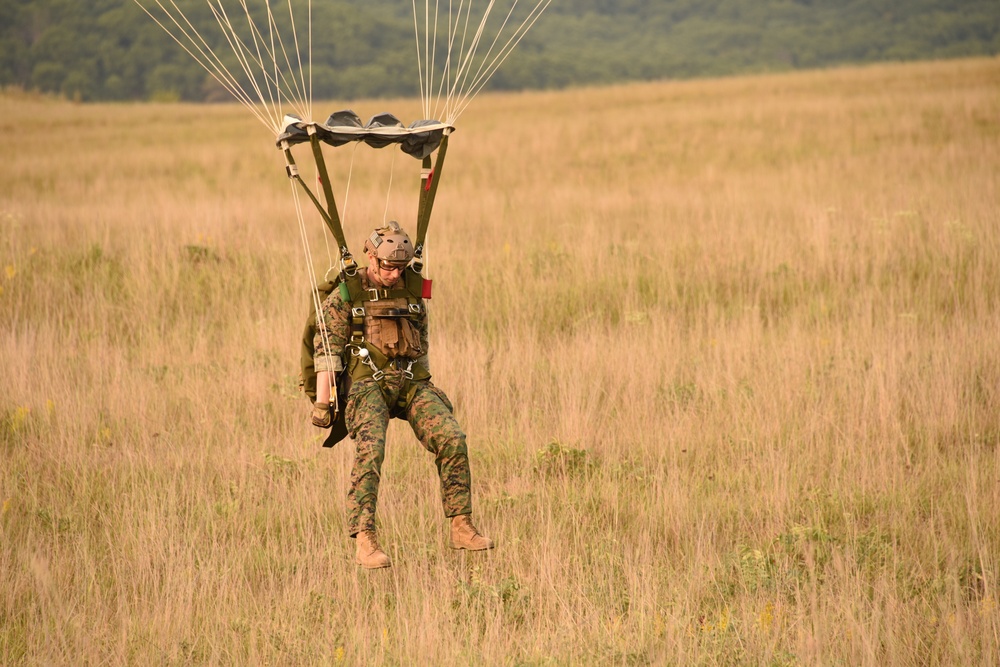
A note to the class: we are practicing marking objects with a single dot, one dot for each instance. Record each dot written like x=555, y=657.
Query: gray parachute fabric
x=419, y=140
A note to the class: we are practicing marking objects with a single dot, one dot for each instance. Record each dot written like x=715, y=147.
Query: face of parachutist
x=386, y=274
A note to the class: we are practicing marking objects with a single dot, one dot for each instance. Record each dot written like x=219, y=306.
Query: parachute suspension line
x=464, y=71
x=208, y=60
x=329, y=212
x=483, y=75
x=421, y=61
x=388, y=190
x=245, y=57
x=299, y=90
x=271, y=85
x=467, y=56
x=314, y=291
x=350, y=175
x=294, y=90
x=433, y=55
x=310, y=60
x=446, y=73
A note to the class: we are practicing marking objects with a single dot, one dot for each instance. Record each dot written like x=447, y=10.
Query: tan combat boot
x=370, y=555
x=465, y=536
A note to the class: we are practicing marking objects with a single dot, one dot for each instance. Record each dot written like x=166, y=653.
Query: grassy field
x=726, y=353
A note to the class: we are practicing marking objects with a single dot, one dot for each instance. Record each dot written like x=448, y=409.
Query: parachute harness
x=421, y=139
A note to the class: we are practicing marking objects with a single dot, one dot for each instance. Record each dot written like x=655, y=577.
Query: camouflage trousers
x=430, y=416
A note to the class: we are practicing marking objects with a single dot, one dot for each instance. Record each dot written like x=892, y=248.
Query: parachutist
x=383, y=321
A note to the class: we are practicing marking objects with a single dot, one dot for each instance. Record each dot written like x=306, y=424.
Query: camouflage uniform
x=368, y=411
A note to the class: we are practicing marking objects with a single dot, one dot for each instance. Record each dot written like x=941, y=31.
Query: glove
x=321, y=415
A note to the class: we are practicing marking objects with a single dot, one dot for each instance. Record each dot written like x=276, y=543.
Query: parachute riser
x=429, y=179
x=329, y=213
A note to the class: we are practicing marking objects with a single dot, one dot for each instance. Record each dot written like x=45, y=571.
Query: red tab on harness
x=430, y=177
x=425, y=290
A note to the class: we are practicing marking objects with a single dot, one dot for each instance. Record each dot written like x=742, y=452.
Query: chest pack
x=383, y=322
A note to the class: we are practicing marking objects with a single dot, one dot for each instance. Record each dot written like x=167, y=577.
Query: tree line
x=111, y=50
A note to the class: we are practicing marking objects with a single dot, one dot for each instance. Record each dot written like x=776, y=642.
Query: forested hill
x=110, y=50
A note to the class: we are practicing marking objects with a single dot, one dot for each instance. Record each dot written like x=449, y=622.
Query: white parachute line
x=273, y=81
x=287, y=86
x=244, y=54
x=273, y=53
x=254, y=62
x=485, y=58
x=309, y=96
x=446, y=69
x=496, y=38
x=467, y=58
x=462, y=67
x=433, y=66
x=347, y=187
x=420, y=63
x=446, y=74
x=296, y=91
x=465, y=34
x=505, y=52
x=208, y=61
x=314, y=288
x=428, y=73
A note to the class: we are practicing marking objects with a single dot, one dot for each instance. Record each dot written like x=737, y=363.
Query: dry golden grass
x=726, y=352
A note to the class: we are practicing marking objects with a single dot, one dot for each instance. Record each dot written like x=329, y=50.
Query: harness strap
x=374, y=364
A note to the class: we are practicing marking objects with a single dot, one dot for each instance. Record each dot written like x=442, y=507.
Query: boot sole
x=458, y=548
x=373, y=567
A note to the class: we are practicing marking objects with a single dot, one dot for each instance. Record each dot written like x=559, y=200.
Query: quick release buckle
x=358, y=311
x=407, y=373
x=414, y=308
x=366, y=359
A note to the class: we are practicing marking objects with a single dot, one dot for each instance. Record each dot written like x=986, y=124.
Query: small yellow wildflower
x=766, y=618
x=11, y=271
x=19, y=418
x=658, y=625
x=338, y=655
x=6, y=507
x=987, y=606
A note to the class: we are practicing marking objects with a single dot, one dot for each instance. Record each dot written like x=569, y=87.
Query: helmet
x=390, y=244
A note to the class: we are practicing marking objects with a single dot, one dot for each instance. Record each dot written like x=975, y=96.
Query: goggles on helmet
x=386, y=265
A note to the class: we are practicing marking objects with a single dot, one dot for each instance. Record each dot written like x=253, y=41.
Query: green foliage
x=557, y=459
x=110, y=49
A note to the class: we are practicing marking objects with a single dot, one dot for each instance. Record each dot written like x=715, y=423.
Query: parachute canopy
x=420, y=139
